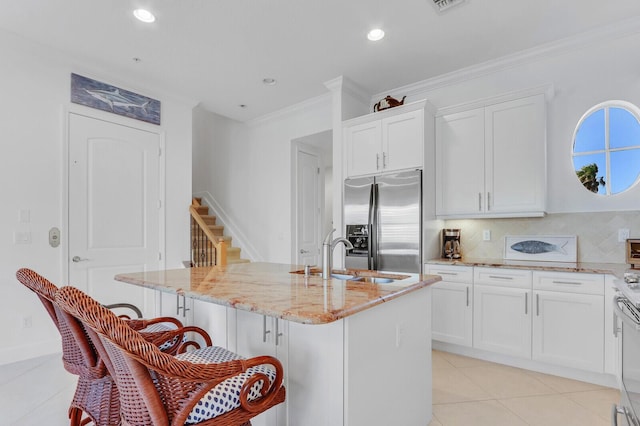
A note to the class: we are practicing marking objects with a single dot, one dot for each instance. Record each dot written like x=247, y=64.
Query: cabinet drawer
x=569, y=282
x=456, y=274
x=519, y=278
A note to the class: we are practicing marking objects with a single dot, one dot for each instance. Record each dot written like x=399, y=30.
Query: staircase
x=201, y=242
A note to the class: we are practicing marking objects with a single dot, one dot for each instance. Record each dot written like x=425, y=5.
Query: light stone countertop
x=271, y=289
x=616, y=269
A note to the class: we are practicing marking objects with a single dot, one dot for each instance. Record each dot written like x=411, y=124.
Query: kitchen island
x=354, y=352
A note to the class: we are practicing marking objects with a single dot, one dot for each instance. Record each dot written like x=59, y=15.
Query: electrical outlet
x=623, y=235
x=486, y=235
x=27, y=322
x=21, y=237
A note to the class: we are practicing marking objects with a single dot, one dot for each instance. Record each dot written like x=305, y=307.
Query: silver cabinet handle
x=500, y=277
x=77, y=259
x=479, y=201
x=567, y=282
x=537, y=305
x=377, y=161
x=303, y=251
x=526, y=303
x=615, y=325
x=183, y=307
x=384, y=160
x=278, y=333
x=445, y=273
x=467, y=295
x=264, y=328
x=488, y=201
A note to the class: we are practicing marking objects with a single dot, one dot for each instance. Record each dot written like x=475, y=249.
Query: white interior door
x=309, y=207
x=114, y=208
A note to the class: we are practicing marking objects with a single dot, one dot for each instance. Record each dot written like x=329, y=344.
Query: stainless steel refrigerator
x=383, y=218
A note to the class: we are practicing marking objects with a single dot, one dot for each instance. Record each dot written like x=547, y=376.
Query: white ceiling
x=218, y=51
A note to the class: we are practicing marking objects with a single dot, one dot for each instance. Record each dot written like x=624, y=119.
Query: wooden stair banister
x=219, y=243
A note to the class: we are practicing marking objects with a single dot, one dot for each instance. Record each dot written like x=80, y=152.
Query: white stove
x=627, y=308
x=630, y=286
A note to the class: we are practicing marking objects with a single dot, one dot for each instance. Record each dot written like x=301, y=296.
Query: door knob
x=303, y=251
x=77, y=259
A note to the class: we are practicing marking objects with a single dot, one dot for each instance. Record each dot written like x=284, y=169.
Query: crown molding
x=566, y=45
x=290, y=110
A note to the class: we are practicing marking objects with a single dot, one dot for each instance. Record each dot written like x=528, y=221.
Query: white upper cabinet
x=385, y=141
x=491, y=161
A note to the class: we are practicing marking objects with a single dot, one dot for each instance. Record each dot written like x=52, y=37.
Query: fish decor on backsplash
x=546, y=248
x=537, y=247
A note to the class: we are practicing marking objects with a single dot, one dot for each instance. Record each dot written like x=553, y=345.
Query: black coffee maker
x=451, y=244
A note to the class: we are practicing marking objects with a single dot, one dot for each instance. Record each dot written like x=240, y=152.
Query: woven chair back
x=78, y=354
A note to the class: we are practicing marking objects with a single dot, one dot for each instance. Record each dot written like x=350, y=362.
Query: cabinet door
x=501, y=320
x=460, y=163
x=255, y=336
x=568, y=329
x=364, y=148
x=403, y=141
x=451, y=313
x=515, y=156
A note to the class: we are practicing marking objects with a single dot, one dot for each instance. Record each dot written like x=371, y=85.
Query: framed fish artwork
x=103, y=96
x=545, y=248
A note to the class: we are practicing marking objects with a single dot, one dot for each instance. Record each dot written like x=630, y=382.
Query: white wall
x=35, y=88
x=247, y=170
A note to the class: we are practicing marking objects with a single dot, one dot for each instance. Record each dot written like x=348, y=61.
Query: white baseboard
x=30, y=350
x=231, y=228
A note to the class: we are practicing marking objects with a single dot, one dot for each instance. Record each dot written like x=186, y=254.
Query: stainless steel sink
x=358, y=276
x=375, y=280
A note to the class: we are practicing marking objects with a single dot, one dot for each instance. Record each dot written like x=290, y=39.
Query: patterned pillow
x=226, y=396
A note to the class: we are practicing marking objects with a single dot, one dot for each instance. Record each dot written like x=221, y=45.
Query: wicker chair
x=209, y=386
x=96, y=394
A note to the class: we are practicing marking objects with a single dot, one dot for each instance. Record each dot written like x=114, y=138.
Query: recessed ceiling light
x=375, y=34
x=144, y=15
x=269, y=81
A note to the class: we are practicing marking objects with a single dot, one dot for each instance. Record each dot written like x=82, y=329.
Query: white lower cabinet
x=502, y=321
x=257, y=335
x=502, y=311
x=568, y=323
x=452, y=304
x=557, y=318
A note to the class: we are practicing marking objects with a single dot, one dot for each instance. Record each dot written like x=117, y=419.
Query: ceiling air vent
x=443, y=5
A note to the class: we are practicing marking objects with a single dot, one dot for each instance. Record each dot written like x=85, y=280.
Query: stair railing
x=207, y=249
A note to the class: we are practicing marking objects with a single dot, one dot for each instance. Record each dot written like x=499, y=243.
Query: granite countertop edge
x=616, y=269
x=239, y=298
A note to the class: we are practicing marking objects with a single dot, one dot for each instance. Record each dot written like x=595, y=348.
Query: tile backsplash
x=597, y=233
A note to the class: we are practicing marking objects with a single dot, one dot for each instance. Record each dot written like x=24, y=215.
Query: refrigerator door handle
x=374, y=226
x=370, y=246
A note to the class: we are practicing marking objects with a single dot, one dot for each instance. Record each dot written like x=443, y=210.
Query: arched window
x=606, y=147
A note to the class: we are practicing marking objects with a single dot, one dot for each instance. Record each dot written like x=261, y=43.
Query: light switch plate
x=21, y=237
x=486, y=235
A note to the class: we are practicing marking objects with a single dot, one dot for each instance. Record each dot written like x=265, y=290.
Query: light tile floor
x=466, y=391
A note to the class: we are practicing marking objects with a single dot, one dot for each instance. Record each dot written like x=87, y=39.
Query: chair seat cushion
x=225, y=396
x=159, y=327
